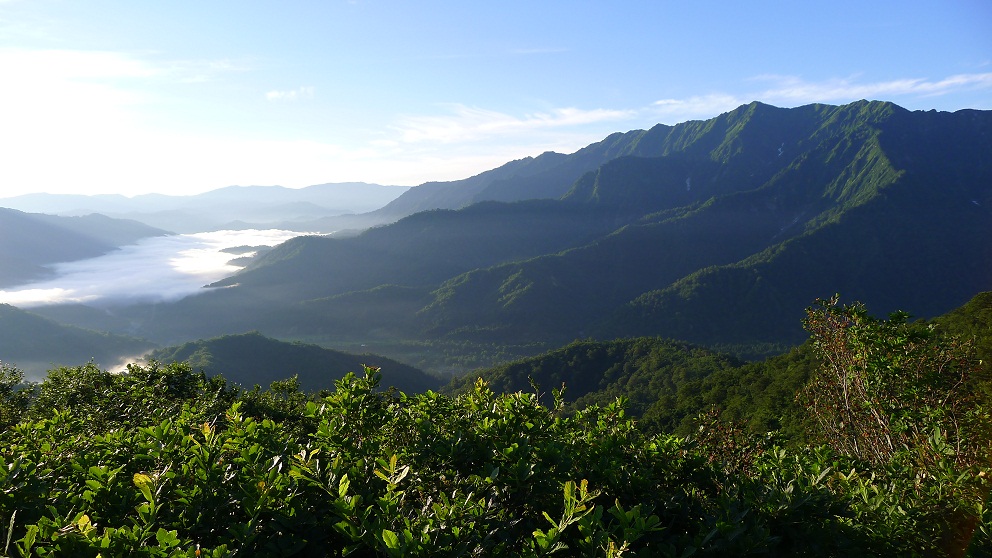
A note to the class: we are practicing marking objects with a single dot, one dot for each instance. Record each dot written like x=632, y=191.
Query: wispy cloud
x=790, y=88
x=699, y=106
x=72, y=64
x=465, y=123
x=198, y=71
x=303, y=92
x=793, y=91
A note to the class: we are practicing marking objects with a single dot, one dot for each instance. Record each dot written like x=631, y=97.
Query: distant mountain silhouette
x=233, y=207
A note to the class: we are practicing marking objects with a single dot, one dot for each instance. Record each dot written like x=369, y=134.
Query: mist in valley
x=155, y=269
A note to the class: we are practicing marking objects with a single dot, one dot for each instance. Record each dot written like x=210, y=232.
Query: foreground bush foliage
x=163, y=461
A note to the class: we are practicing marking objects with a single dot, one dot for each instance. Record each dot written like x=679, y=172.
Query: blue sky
x=113, y=96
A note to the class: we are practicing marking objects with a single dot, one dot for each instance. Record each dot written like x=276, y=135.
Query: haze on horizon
x=185, y=97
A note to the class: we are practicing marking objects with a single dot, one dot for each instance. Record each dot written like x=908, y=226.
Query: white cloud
x=198, y=71
x=671, y=111
x=794, y=89
x=304, y=92
x=77, y=121
x=467, y=124
x=71, y=64
x=60, y=109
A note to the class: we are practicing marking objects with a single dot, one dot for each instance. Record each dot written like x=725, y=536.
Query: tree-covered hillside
x=667, y=383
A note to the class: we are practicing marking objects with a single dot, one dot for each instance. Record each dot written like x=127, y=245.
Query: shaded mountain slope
x=422, y=249
x=548, y=175
x=253, y=359
x=972, y=322
x=666, y=384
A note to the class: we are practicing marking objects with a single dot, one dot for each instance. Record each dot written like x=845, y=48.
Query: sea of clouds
x=156, y=269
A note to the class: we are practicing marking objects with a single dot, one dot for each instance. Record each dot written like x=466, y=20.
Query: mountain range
x=716, y=232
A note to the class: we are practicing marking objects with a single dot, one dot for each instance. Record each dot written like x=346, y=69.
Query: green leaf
x=167, y=539
x=28, y=540
x=391, y=539
x=144, y=484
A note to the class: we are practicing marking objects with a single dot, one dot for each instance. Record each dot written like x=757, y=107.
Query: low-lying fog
x=157, y=269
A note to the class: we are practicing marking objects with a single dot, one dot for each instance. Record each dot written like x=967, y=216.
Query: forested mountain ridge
x=551, y=175
x=912, y=208
x=738, y=266
x=717, y=232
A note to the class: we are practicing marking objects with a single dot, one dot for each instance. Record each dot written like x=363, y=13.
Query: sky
x=182, y=97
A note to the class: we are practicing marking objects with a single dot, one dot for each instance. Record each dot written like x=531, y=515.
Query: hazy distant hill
x=718, y=232
x=253, y=359
x=35, y=344
x=230, y=207
x=29, y=241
